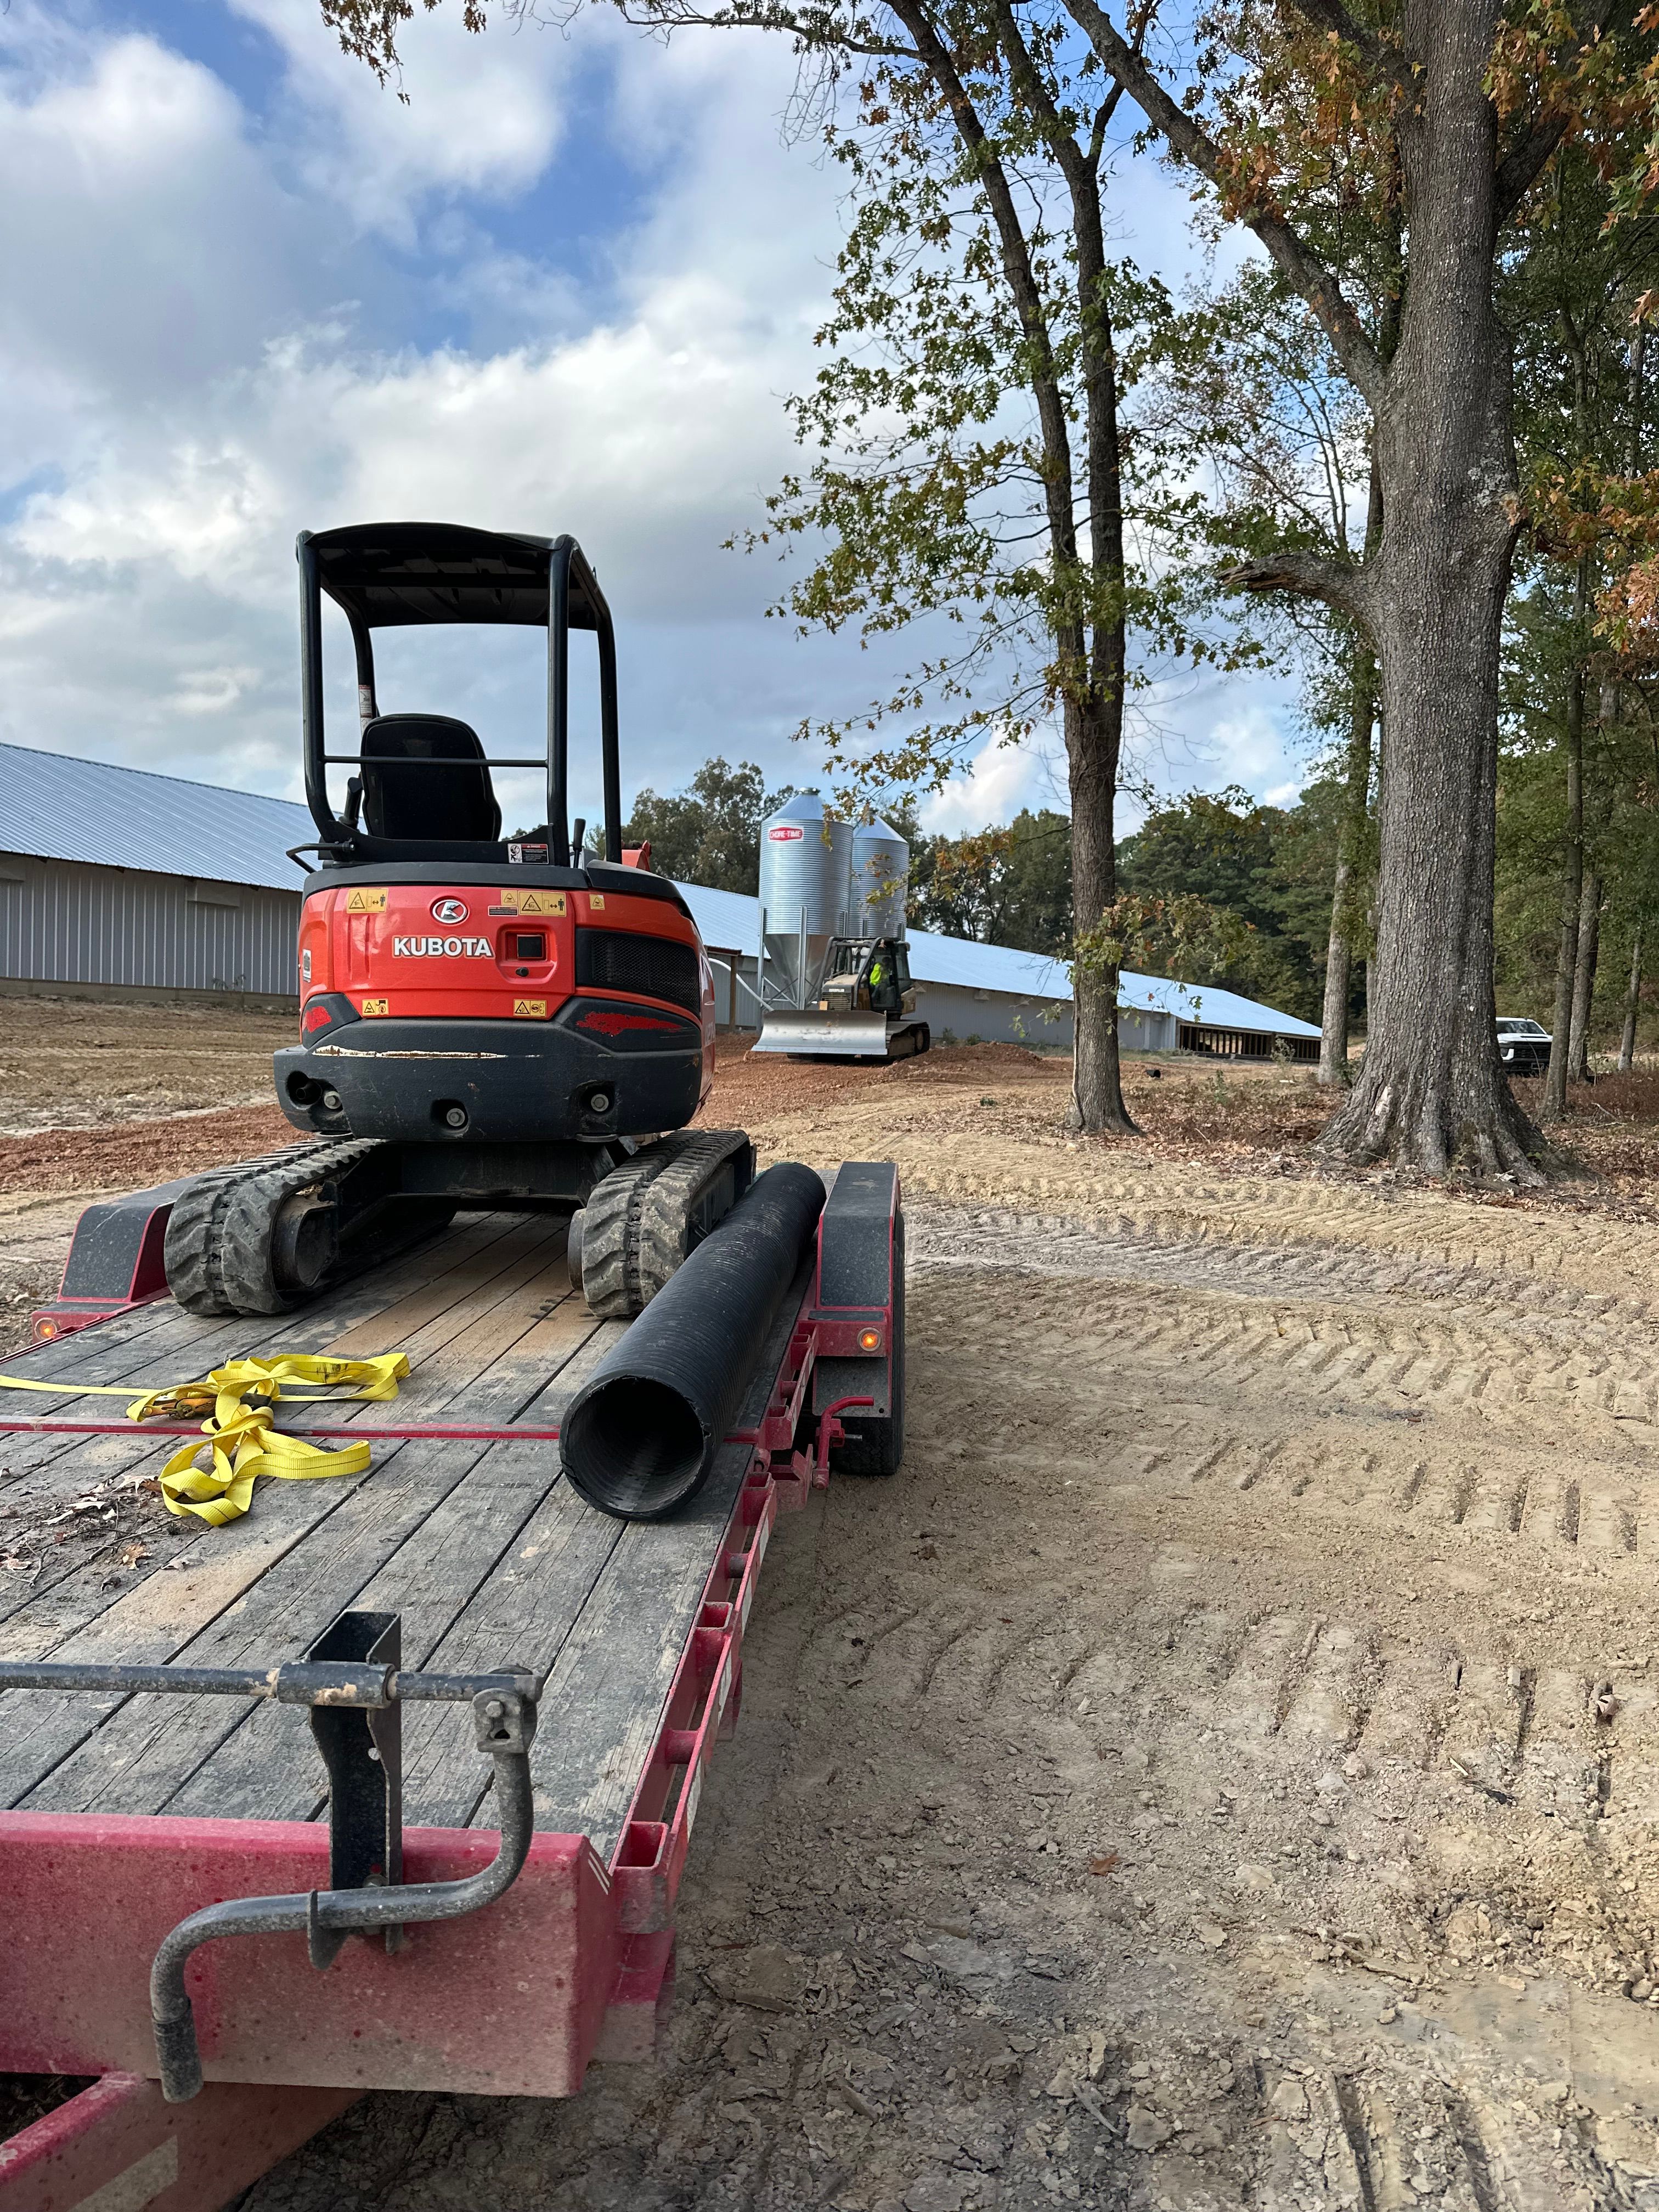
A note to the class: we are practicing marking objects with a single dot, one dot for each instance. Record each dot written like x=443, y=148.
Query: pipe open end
x=634, y=1447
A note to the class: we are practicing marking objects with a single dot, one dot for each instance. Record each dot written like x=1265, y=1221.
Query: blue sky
x=244, y=291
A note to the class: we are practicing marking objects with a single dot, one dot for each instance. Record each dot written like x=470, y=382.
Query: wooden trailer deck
x=481, y=1547
x=121, y=1815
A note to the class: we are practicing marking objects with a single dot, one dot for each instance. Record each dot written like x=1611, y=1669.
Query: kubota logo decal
x=450, y=910
x=442, y=948
x=613, y=1025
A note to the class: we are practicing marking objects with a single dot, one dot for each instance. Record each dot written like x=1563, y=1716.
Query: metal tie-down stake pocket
x=351, y=1680
x=362, y=1749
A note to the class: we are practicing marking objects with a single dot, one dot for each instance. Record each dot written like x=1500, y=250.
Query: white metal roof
x=730, y=922
x=60, y=808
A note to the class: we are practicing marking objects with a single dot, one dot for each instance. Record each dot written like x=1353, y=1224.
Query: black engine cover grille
x=652, y=967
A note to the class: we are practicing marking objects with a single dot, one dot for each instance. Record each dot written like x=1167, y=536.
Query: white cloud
x=999, y=780
x=1247, y=745
x=217, y=329
x=482, y=113
x=144, y=249
x=147, y=614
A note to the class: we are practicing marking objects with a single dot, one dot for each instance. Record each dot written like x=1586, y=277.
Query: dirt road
x=1222, y=1770
x=86, y=1063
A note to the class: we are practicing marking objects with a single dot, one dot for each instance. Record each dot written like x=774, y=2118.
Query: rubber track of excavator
x=218, y=1249
x=638, y=1225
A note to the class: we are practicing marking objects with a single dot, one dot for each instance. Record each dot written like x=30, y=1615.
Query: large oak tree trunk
x=1356, y=802
x=1431, y=1091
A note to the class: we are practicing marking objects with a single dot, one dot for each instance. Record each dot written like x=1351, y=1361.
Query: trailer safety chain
x=244, y=1442
x=352, y=1680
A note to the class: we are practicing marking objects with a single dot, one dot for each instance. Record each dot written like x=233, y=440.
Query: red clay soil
x=128, y=1155
x=751, y=1087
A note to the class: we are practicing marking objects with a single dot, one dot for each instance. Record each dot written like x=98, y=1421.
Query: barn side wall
x=993, y=1016
x=63, y=922
x=1045, y=1024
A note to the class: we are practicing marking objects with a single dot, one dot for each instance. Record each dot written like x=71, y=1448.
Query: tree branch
x=810, y=26
x=1519, y=169
x=1307, y=576
x=1386, y=62
x=1306, y=273
x=1141, y=21
x=1016, y=256
x=1103, y=441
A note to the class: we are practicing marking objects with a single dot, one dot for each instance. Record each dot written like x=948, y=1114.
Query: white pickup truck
x=1523, y=1046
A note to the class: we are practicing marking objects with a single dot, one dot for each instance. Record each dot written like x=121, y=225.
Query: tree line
x=1257, y=877
x=1406, y=448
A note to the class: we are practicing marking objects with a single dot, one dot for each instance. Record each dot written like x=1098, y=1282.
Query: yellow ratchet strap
x=243, y=1443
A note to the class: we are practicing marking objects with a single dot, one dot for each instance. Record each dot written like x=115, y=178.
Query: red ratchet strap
x=364, y=1434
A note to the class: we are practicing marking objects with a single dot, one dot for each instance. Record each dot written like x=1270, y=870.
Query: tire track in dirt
x=1595, y=1250
x=1119, y=1249
x=1221, y=1769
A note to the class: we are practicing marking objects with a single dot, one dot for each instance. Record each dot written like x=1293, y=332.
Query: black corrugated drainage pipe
x=640, y=1435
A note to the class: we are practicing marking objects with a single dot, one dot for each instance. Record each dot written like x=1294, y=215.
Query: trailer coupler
x=352, y=1681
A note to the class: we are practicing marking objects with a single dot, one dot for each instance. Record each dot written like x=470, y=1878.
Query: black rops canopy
x=402, y=575
x=386, y=575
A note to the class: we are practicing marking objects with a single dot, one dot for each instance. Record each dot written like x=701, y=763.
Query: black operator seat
x=403, y=798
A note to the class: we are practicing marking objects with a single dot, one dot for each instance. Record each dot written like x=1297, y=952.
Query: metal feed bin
x=881, y=881
x=805, y=890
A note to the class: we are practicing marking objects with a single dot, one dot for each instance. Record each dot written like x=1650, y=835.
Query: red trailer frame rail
x=118, y=2146
x=574, y=1962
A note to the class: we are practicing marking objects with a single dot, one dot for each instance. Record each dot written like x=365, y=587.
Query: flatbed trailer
x=122, y=1812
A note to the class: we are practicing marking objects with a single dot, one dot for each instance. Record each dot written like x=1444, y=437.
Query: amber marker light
x=869, y=1339
x=44, y=1331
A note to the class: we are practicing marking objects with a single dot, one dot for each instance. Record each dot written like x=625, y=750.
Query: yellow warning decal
x=523, y=903
x=596, y=901
x=360, y=900
x=533, y=1010
x=377, y=1005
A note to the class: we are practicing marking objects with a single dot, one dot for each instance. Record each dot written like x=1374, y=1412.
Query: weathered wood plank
x=266, y=1767
x=158, y=1618
x=605, y=1696
x=604, y=1701
x=73, y=1593
x=448, y=1360
x=400, y=1297
x=151, y=1745
x=482, y=1548
x=521, y=1616
x=125, y=1347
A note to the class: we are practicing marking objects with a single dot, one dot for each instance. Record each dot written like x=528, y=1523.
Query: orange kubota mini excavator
x=483, y=1023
